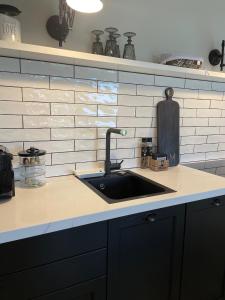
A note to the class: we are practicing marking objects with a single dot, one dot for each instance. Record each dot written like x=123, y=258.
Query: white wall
x=176, y=26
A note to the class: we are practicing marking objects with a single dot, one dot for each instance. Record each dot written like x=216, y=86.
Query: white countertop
x=36, y=52
x=66, y=202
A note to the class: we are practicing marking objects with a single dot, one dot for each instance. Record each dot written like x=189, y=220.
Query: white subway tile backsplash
x=60, y=170
x=46, y=68
x=48, y=121
x=152, y=91
x=146, y=132
x=95, y=121
x=81, y=145
x=73, y=133
x=217, y=104
x=136, y=78
x=215, y=155
x=70, y=84
x=90, y=165
x=185, y=93
x=70, y=116
x=116, y=154
x=147, y=112
x=44, y=95
x=198, y=84
x=193, y=140
x=207, y=113
x=95, y=74
x=10, y=93
x=212, y=95
x=73, y=109
x=216, y=121
x=169, y=81
x=207, y=130
x=94, y=98
x=73, y=157
x=8, y=64
x=23, y=135
x=186, y=131
x=9, y=121
x=194, y=103
x=192, y=157
x=135, y=100
x=206, y=148
x=185, y=149
x=116, y=88
x=193, y=122
x=24, y=108
x=216, y=139
x=23, y=80
x=188, y=113
x=133, y=122
x=125, y=111
x=52, y=146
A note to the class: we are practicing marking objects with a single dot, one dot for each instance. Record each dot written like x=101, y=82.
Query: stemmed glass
x=117, y=47
x=129, y=50
x=110, y=48
x=97, y=47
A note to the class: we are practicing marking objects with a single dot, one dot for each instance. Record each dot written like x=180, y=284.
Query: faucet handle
x=120, y=163
x=116, y=166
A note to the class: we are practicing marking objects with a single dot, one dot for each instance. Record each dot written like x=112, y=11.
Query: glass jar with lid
x=32, y=167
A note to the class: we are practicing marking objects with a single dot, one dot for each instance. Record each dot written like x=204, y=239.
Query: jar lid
x=147, y=140
x=32, y=152
x=9, y=10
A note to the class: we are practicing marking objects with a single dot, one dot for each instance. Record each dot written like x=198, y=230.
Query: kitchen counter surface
x=65, y=202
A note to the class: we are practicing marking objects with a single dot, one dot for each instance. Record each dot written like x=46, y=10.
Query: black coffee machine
x=7, y=185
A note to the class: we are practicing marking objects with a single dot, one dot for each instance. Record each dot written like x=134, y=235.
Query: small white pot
x=10, y=29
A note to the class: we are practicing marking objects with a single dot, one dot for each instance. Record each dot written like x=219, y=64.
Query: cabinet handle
x=217, y=202
x=151, y=218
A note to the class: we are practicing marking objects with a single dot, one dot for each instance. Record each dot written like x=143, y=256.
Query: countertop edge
x=40, y=229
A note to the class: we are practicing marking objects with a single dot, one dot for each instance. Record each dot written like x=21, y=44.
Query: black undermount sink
x=124, y=185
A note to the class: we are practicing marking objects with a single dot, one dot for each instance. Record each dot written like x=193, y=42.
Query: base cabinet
x=175, y=253
x=204, y=251
x=93, y=290
x=145, y=255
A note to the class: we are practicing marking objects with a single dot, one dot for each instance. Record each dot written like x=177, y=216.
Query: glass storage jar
x=32, y=167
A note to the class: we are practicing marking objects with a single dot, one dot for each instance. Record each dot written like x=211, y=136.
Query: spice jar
x=146, y=152
x=32, y=167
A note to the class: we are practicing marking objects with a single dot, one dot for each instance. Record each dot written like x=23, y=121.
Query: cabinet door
x=93, y=290
x=204, y=251
x=145, y=253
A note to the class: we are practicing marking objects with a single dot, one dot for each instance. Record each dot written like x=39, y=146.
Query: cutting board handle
x=169, y=93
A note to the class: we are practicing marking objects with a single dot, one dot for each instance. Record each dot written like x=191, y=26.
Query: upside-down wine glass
x=97, y=47
x=110, y=48
x=117, y=47
x=129, y=50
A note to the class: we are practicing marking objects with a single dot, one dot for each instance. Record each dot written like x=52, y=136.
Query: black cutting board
x=168, y=128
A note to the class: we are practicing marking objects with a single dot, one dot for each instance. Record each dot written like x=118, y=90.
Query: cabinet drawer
x=31, y=252
x=206, y=203
x=91, y=290
x=55, y=276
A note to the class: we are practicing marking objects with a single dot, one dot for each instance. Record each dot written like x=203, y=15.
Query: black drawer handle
x=151, y=218
x=217, y=202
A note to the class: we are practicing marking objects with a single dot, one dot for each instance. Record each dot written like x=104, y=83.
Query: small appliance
x=7, y=185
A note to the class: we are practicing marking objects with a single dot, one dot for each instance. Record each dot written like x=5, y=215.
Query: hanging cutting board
x=168, y=128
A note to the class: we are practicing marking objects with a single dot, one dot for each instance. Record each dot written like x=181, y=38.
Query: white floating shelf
x=36, y=52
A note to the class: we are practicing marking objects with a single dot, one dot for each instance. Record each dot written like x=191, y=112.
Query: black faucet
x=108, y=165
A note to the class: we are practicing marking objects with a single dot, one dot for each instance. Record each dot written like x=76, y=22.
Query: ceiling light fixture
x=85, y=6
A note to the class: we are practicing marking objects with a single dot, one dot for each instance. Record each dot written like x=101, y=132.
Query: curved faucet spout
x=108, y=165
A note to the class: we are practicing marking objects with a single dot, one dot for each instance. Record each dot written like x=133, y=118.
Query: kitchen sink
x=124, y=185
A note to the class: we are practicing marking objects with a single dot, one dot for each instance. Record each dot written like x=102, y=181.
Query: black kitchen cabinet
x=204, y=251
x=145, y=255
x=93, y=290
